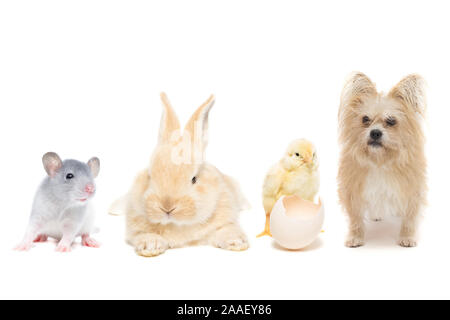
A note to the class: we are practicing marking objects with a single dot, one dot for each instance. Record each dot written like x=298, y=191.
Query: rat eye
x=297, y=154
x=194, y=180
x=365, y=120
x=69, y=176
x=391, y=122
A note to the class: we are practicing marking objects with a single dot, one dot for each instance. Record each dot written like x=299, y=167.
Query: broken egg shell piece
x=295, y=223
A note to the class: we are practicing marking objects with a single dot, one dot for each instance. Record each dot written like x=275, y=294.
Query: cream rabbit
x=181, y=200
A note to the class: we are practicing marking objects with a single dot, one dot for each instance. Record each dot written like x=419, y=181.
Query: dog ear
x=357, y=87
x=411, y=92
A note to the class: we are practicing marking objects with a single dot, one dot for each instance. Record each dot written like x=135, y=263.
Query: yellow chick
x=295, y=174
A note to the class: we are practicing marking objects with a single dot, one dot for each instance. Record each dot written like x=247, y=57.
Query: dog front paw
x=151, y=245
x=354, y=242
x=407, y=242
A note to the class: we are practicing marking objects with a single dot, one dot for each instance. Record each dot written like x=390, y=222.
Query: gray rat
x=61, y=207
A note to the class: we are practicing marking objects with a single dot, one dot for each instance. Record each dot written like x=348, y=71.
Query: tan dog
x=180, y=199
x=382, y=165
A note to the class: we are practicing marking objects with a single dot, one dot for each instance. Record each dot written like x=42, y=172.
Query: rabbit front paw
x=151, y=245
x=230, y=238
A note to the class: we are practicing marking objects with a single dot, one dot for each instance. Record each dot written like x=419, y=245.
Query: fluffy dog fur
x=175, y=204
x=386, y=176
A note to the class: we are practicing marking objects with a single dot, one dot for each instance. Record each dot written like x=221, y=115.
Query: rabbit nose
x=167, y=205
x=168, y=211
x=89, y=188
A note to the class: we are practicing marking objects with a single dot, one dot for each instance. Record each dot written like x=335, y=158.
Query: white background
x=82, y=78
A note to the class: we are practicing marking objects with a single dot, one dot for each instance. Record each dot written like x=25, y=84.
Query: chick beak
x=308, y=159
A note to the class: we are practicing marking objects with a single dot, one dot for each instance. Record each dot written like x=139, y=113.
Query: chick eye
x=194, y=180
x=69, y=176
x=391, y=122
x=365, y=120
x=297, y=154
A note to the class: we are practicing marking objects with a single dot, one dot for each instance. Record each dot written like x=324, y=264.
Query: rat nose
x=89, y=188
x=376, y=134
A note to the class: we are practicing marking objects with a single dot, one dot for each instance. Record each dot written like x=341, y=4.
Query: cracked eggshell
x=295, y=223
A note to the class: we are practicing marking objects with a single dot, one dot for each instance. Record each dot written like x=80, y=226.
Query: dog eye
x=365, y=120
x=391, y=122
x=69, y=176
x=194, y=180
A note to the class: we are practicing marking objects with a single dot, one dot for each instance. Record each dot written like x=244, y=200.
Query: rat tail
x=119, y=207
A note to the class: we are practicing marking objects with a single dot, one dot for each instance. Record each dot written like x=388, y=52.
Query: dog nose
x=89, y=188
x=376, y=134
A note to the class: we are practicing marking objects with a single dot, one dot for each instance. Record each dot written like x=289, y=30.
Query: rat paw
x=63, y=248
x=407, y=242
x=41, y=238
x=87, y=241
x=151, y=245
x=23, y=247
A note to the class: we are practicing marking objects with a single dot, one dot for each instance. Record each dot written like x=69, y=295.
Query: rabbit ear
x=52, y=163
x=169, y=121
x=197, y=126
x=411, y=92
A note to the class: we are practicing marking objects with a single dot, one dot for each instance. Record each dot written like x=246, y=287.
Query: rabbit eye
x=194, y=180
x=69, y=176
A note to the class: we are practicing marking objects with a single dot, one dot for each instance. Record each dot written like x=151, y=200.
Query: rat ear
x=169, y=121
x=411, y=92
x=52, y=163
x=94, y=165
x=197, y=126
